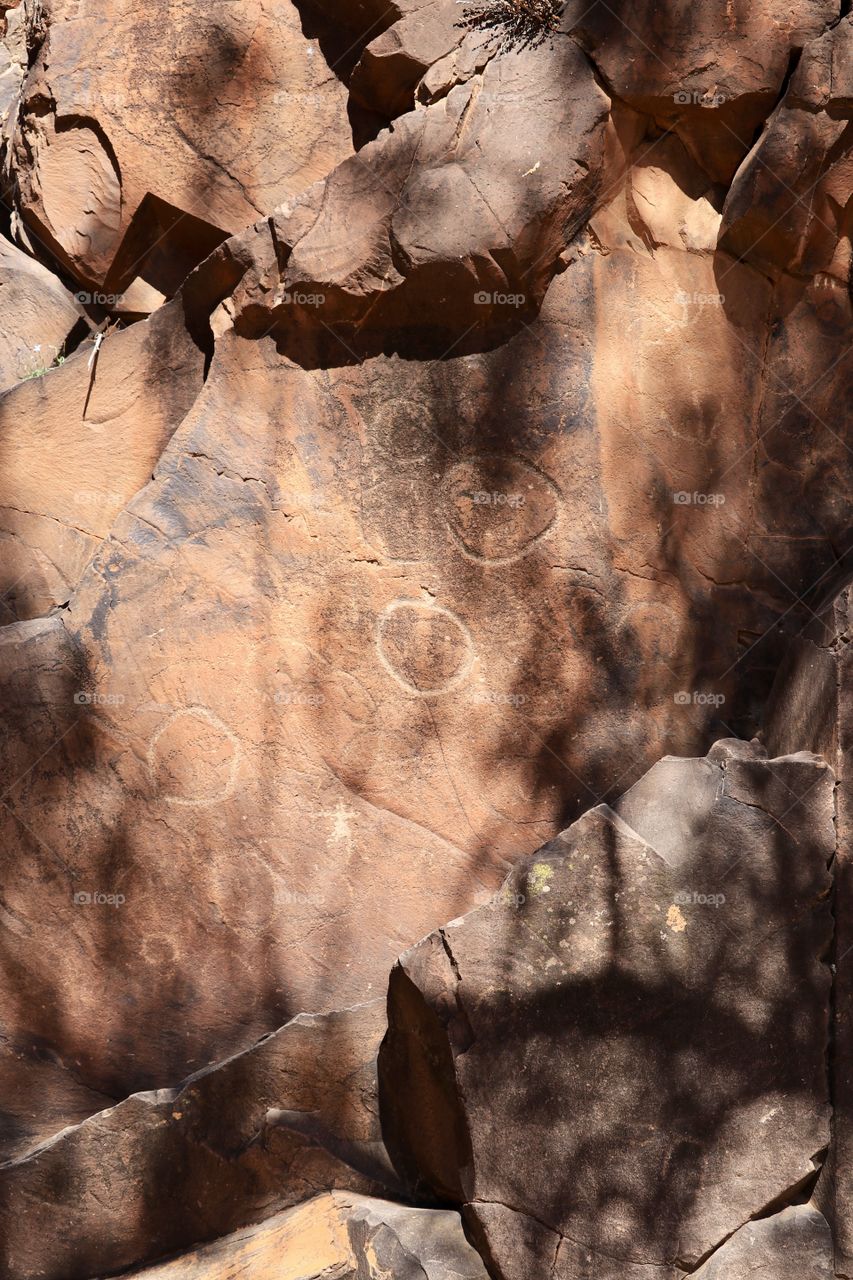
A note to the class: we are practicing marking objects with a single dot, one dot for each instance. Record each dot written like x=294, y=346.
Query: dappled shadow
x=671, y=1013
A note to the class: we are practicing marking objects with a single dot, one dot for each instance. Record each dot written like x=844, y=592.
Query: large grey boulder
x=621, y=1059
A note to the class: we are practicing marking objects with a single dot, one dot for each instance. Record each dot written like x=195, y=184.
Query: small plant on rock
x=39, y=360
x=514, y=24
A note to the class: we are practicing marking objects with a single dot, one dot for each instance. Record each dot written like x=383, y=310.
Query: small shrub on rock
x=514, y=24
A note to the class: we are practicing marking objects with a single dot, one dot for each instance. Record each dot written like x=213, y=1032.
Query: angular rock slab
x=336, y=1237
x=626, y=1049
x=295, y=1114
x=811, y=705
x=789, y=207
x=38, y=315
x=795, y=1244
x=453, y=220
x=147, y=137
x=76, y=443
x=710, y=71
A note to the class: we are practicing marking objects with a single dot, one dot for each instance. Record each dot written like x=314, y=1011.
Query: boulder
x=622, y=1058
x=711, y=72
x=295, y=1114
x=39, y=314
x=448, y=225
x=788, y=209
x=350, y=1237
x=146, y=138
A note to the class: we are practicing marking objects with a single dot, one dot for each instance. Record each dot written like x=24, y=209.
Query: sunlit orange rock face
x=432, y=435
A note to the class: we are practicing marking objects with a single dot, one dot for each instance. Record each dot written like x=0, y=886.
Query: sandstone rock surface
x=294, y=1115
x=789, y=206
x=76, y=443
x=296, y=637
x=811, y=704
x=486, y=446
x=350, y=1237
x=545, y=1053
x=145, y=139
x=39, y=313
x=795, y=1242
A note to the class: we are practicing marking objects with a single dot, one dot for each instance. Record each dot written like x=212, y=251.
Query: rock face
x=713, y=72
x=410, y=442
x=788, y=208
x=796, y=1242
x=349, y=1237
x=122, y=173
x=295, y=1114
x=38, y=316
x=77, y=443
x=811, y=703
x=308, y=647
x=544, y=1052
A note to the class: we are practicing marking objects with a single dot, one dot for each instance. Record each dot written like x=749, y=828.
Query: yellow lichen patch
x=676, y=920
x=537, y=879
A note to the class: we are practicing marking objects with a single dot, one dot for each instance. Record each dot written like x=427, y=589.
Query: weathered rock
x=376, y=251
x=348, y=1237
x=38, y=315
x=712, y=72
x=623, y=1056
x=77, y=442
x=146, y=138
x=391, y=67
x=789, y=210
x=295, y=1114
x=308, y=646
x=795, y=1244
x=811, y=705
x=13, y=57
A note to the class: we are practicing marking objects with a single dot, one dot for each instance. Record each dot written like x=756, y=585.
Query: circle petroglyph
x=193, y=758
x=426, y=648
x=498, y=507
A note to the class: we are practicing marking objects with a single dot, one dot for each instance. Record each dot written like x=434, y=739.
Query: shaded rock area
x=811, y=702
x=420, y=447
x=795, y=1242
x=625, y=1052
x=295, y=1114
